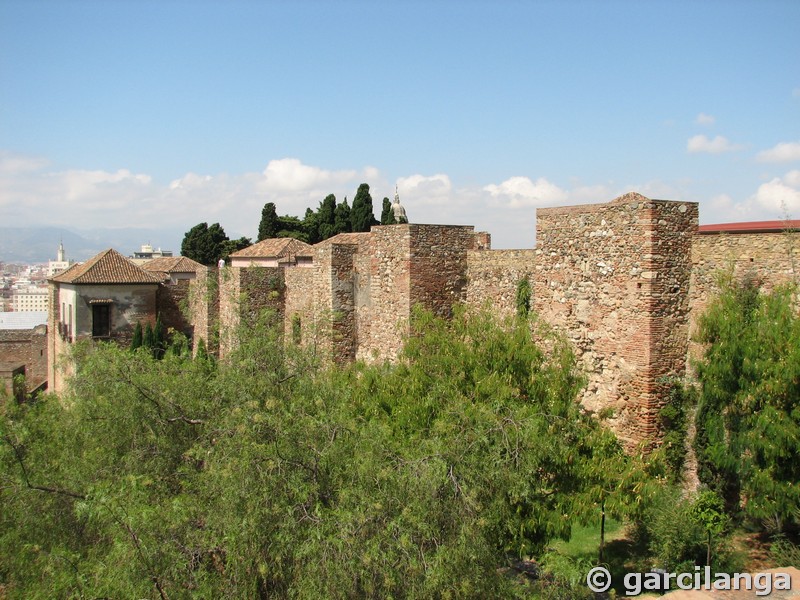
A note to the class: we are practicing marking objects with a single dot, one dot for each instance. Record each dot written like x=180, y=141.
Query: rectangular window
x=101, y=320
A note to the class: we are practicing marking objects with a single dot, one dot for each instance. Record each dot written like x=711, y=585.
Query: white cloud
x=521, y=192
x=31, y=195
x=701, y=143
x=783, y=152
x=421, y=189
x=14, y=163
x=291, y=175
x=190, y=181
x=792, y=178
x=781, y=195
x=704, y=119
x=721, y=202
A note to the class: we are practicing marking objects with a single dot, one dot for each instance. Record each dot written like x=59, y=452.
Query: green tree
x=327, y=217
x=708, y=510
x=362, y=216
x=311, y=226
x=342, y=222
x=149, y=338
x=269, y=226
x=159, y=338
x=748, y=413
x=204, y=244
x=291, y=227
x=162, y=478
x=523, y=297
x=387, y=215
x=231, y=246
x=136, y=341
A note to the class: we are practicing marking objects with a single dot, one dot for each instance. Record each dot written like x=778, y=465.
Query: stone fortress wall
x=623, y=281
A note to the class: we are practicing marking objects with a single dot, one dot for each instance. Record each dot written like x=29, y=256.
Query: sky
x=165, y=114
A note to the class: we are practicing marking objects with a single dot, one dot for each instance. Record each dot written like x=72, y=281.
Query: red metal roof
x=751, y=227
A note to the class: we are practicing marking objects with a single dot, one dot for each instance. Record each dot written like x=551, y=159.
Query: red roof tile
x=273, y=248
x=751, y=227
x=172, y=264
x=107, y=267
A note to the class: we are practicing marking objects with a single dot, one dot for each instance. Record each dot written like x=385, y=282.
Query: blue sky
x=165, y=114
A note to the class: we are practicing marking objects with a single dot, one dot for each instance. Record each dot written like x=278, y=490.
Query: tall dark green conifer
x=342, y=222
x=136, y=341
x=269, y=225
x=362, y=216
x=387, y=214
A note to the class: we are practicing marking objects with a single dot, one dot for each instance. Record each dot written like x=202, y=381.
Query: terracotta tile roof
x=107, y=267
x=172, y=264
x=751, y=227
x=273, y=248
x=347, y=238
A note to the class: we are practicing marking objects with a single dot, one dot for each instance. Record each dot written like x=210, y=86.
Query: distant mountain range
x=31, y=245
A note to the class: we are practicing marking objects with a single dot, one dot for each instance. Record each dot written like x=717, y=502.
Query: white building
x=149, y=253
x=31, y=299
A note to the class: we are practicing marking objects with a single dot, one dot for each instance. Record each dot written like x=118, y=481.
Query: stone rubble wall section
x=301, y=300
x=173, y=303
x=438, y=266
x=204, y=308
x=493, y=276
x=383, y=292
x=343, y=311
x=27, y=346
x=597, y=280
x=243, y=293
x=770, y=259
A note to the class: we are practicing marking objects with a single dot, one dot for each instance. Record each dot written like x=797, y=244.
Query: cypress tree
x=269, y=225
x=387, y=214
x=136, y=342
x=159, y=338
x=361, y=215
x=342, y=222
x=148, y=340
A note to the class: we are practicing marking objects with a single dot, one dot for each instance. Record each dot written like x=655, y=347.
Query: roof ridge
x=109, y=266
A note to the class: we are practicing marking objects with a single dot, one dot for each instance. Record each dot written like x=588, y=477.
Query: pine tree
x=204, y=244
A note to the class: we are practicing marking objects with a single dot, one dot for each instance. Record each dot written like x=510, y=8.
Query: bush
x=677, y=537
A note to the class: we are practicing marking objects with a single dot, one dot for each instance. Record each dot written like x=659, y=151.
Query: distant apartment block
x=148, y=253
x=31, y=299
